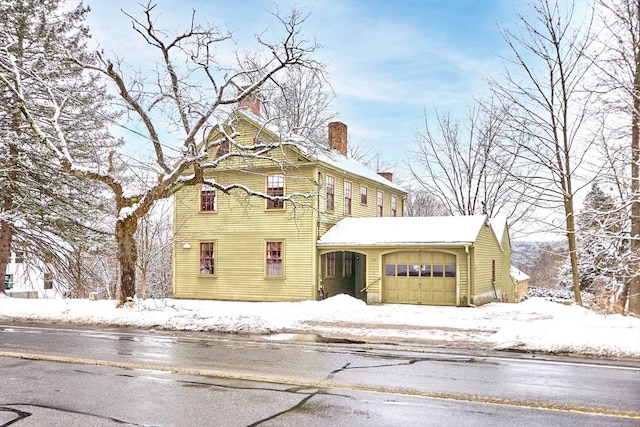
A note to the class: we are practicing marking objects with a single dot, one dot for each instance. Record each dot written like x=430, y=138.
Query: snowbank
x=533, y=325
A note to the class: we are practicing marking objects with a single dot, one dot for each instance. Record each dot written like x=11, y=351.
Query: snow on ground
x=533, y=325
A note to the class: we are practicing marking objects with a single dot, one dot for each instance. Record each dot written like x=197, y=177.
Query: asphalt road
x=62, y=376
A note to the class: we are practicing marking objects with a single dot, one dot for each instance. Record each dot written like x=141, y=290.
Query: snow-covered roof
x=499, y=225
x=446, y=230
x=517, y=274
x=339, y=161
x=331, y=157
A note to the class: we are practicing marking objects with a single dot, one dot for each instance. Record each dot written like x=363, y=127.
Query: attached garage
x=455, y=260
x=419, y=277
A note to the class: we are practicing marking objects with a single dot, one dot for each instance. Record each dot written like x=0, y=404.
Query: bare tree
x=421, y=202
x=183, y=101
x=300, y=104
x=466, y=169
x=154, y=239
x=620, y=86
x=544, y=86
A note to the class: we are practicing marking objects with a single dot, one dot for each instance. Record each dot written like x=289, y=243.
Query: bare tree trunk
x=6, y=231
x=634, y=285
x=127, y=258
x=5, y=250
x=143, y=284
x=573, y=249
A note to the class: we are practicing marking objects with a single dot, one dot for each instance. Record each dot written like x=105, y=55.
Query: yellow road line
x=329, y=384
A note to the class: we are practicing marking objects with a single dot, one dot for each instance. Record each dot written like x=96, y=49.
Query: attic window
x=222, y=149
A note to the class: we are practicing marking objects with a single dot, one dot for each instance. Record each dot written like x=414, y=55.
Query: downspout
x=469, y=279
x=318, y=206
x=319, y=287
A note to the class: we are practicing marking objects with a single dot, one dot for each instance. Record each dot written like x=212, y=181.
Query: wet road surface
x=75, y=376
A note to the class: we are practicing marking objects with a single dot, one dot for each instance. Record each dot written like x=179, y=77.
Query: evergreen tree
x=45, y=212
x=601, y=239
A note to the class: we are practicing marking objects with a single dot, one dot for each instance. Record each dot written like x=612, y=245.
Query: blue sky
x=389, y=61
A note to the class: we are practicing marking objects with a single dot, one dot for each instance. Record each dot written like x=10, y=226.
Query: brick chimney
x=386, y=175
x=338, y=137
x=251, y=102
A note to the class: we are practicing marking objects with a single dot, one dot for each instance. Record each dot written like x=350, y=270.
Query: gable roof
x=443, y=230
x=499, y=226
x=332, y=158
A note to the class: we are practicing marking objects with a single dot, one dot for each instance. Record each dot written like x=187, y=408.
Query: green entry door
x=419, y=277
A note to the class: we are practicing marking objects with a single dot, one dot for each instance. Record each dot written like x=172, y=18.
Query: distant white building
x=30, y=278
x=520, y=281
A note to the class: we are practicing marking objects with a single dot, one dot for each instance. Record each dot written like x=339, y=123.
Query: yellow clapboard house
x=335, y=234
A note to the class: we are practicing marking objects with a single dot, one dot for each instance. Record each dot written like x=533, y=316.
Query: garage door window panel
x=425, y=270
x=402, y=270
x=414, y=270
x=438, y=271
x=450, y=270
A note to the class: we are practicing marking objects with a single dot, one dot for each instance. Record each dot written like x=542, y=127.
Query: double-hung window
x=394, y=206
x=207, y=198
x=331, y=264
x=8, y=281
x=347, y=198
x=331, y=192
x=207, y=258
x=348, y=263
x=275, y=188
x=363, y=195
x=274, y=259
x=48, y=280
x=380, y=203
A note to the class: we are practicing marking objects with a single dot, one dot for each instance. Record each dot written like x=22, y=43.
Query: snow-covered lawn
x=536, y=324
